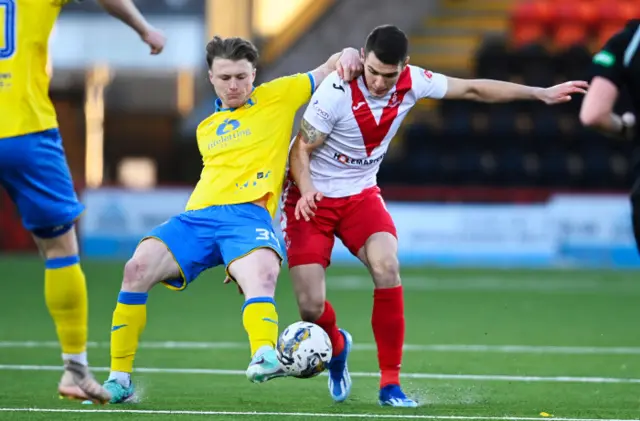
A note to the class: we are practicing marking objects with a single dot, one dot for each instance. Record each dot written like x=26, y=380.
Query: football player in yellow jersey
x=34, y=171
x=228, y=220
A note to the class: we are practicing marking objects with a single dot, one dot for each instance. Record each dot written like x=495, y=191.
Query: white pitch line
x=435, y=376
x=500, y=349
x=298, y=414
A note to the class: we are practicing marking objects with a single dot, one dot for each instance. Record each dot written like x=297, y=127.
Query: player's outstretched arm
x=127, y=12
x=488, y=90
x=597, y=110
x=347, y=63
x=306, y=141
x=608, y=69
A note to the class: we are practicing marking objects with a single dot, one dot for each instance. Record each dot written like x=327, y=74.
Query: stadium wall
x=566, y=230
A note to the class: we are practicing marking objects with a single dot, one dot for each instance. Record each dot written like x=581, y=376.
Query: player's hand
x=562, y=93
x=307, y=205
x=349, y=65
x=155, y=39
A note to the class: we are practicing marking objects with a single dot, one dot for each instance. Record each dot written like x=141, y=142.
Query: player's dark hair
x=388, y=43
x=233, y=48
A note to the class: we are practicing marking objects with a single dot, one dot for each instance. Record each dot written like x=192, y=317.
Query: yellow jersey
x=25, y=106
x=245, y=150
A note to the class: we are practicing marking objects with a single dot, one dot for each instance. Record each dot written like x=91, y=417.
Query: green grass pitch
x=481, y=344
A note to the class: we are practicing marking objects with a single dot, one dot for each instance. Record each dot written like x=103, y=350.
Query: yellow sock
x=129, y=319
x=65, y=292
x=260, y=320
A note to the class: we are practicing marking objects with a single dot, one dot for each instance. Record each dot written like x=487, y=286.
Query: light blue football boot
x=265, y=366
x=119, y=393
x=339, y=378
x=392, y=395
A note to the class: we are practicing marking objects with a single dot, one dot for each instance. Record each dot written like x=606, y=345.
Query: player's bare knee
x=311, y=308
x=137, y=275
x=385, y=271
x=268, y=278
x=60, y=246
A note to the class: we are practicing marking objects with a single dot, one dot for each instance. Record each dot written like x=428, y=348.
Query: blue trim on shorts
x=62, y=262
x=201, y=239
x=53, y=232
x=133, y=298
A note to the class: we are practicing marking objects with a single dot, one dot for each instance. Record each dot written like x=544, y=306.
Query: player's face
x=232, y=81
x=381, y=77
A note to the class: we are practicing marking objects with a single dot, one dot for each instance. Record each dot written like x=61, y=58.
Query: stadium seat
x=535, y=64
x=493, y=59
x=575, y=12
x=573, y=62
x=606, y=31
x=457, y=117
x=527, y=33
x=539, y=11
x=618, y=12
x=569, y=35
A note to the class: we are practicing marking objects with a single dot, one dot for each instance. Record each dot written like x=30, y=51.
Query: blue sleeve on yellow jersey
x=294, y=90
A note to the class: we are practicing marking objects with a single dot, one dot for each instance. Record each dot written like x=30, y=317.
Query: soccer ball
x=304, y=349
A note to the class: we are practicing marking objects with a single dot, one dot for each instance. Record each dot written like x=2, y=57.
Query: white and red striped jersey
x=361, y=126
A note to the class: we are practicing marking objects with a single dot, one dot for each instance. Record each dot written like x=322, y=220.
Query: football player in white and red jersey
x=332, y=190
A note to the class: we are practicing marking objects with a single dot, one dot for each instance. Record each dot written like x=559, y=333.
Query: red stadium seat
x=527, y=33
x=532, y=12
x=617, y=11
x=606, y=31
x=568, y=35
x=584, y=12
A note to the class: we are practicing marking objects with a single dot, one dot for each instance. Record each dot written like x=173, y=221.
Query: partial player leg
x=151, y=263
x=251, y=253
x=66, y=298
x=387, y=320
x=309, y=286
x=34, y=171
x=309, y=246
x=368, y=231
x=257, y=275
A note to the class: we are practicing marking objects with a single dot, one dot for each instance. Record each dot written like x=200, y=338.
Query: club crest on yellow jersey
x=228, y=132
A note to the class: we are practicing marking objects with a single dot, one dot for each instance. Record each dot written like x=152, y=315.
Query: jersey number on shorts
x=8, y=29
x=266, y=235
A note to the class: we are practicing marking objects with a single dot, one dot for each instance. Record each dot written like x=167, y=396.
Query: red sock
x=387, y=321
x=327, y=321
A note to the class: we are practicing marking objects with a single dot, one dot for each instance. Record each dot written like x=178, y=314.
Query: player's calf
x=66, y=299
x=150, y=264
x=256, y=273
x=387, y=320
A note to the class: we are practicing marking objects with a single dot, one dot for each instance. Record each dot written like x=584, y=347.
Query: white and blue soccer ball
x=304, y=349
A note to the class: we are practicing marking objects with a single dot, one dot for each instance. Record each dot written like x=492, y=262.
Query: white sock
x=121, y=378
x=78, y=358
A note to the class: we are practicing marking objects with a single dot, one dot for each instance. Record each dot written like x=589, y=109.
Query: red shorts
x=353, y=219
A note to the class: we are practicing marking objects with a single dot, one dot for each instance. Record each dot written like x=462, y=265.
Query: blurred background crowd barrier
x=467, y=183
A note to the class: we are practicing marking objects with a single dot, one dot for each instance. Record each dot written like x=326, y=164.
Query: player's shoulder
x=333, y=90
x=420, y=74
x=284, y=82
x=620, y=40
x=333, y=83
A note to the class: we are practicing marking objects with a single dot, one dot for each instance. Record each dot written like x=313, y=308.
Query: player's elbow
x=592, y=117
